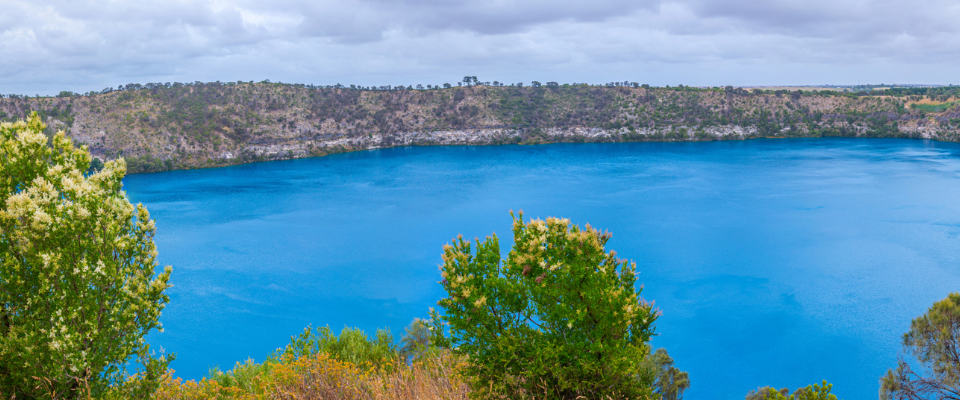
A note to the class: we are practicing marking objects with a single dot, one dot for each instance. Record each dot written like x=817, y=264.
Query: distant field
x=933, y=107
x=794, y=88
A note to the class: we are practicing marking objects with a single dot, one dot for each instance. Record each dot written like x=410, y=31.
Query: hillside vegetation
x=162, y=126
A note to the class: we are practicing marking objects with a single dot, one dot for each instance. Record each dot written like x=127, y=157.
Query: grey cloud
x=367, y=20
x=87, y=44
x=857, y=20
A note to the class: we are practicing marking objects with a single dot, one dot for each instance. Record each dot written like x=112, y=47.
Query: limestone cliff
x=161, y=127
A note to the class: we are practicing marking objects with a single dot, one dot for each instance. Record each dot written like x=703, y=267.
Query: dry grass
x=927, y=100
x=318, y=376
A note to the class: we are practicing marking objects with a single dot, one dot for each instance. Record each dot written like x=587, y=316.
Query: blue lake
x=774, y=262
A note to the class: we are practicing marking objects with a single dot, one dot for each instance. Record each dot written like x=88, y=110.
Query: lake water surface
x=774, y=262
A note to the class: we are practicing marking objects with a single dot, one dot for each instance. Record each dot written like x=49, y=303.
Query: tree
x=934, y=341
x=78, y=290
x=558, y=318
x=669, y=382
x=416, y=338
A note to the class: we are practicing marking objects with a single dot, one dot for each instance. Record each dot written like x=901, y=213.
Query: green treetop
x=560, y=317
x=811, y=392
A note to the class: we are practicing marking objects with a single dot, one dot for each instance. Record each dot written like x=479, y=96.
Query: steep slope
x=162, y=127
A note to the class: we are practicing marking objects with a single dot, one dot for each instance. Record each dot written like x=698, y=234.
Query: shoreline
x=725, y=139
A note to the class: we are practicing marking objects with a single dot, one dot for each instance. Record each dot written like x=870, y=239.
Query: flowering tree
x=78, y=290
x=559, y=318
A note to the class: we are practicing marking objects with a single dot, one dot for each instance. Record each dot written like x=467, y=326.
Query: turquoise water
x=775, y=262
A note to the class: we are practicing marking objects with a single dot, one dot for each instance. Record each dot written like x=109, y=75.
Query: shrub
x=314, y=366
x=351, y=346
x=767, y=393
x=811, y=392
x=77, y=285
x=559, y=318
x=934, y=340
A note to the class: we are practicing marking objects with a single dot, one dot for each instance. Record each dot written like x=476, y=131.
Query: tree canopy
x=560, y=317
x=934, y=342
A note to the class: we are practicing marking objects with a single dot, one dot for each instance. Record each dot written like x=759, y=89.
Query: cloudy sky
x=83, y=45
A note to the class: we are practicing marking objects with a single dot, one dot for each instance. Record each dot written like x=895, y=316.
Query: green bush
x=559, y=318
x=767, y=393
x=242, y=376
x=352, y=346
x=812, y=392
x=78, y=290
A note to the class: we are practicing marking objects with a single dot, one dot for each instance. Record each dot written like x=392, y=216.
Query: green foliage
x=147, y=163
x=534, y=107
x=669, y=382
x=242, y=376
x=767, y=393
x=351, y=346
x=65, y=115
x=933, y=340
x=78, y=289
x=933, y=107
x=559, y=318
x=812, y=392
x=96, y=165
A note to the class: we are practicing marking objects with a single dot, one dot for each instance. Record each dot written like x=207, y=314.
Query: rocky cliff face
x=204, y=125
